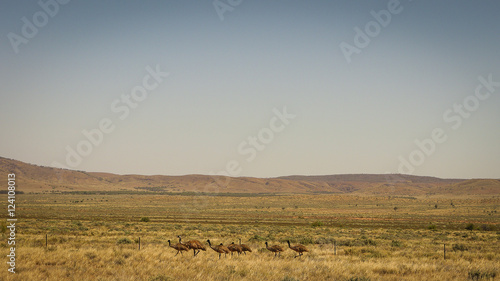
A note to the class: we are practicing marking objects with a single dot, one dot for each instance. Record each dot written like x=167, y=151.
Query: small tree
x=469, y=226
x=317, y=224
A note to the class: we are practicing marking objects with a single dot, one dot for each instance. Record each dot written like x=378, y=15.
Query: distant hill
x=33, y=178
x=372, y=178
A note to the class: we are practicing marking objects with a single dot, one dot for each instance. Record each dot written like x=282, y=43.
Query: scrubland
x=95, y=237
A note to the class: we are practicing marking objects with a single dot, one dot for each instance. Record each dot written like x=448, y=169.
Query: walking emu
x=235, y=248
x=218, y=248
x=245, y=248
x=179, y=247
x=225, y=249
x=275, y=249
x=193, y=244
x=298, y=248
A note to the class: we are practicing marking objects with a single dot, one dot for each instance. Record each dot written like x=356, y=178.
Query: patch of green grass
x=124, y=241
x=317, y=224
x=396, y=243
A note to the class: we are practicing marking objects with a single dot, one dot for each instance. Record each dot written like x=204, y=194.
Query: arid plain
x=356, y=227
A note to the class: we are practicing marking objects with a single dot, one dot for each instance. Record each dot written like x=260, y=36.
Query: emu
x=298, y=248
x=193, y=244
x=179, y=247
x=221, y=249
x=276, y=249
x=245, y=248
x=235, y=248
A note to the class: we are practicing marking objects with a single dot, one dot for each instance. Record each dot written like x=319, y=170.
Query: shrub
x=317, y=224
x=91, y=255
x=487, y=227
x=469, y=226
x=145, y=219
x=459, y=247
x=369, y=242
x=257, y=238
x=124, y=241
x=432, y=227
x=322, y=240
x=370, y=252
x=347, y=243
x=306, y=240
x=477, y=274
x=396, y=243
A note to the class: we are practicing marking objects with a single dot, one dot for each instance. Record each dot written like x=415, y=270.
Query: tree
x=469, y=226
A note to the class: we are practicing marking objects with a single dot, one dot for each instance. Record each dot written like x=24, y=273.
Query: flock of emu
x=197, y=246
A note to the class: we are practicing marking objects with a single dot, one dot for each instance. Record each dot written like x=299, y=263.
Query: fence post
x=444, y=250
x=335, y=247
x=46, y=240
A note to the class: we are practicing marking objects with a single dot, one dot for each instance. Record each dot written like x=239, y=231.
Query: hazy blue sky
x=65, y=67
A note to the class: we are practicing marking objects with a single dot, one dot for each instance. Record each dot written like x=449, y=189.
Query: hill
x=38, y=179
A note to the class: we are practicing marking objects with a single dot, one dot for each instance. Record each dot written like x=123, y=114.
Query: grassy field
x=95, y=237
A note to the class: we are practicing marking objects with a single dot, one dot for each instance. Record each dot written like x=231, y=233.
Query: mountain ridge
x=39, y=179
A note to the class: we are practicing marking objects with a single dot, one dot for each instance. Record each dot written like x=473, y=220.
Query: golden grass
x=157, y=262
x=374, y=242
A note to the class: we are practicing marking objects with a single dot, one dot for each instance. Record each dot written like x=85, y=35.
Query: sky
x=252, y=88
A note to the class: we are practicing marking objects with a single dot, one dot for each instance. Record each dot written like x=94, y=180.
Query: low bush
x=477, y=274
x=317, y=224
x=124, y=241
x=470, y=226
x=396, y=243
x=459, y=247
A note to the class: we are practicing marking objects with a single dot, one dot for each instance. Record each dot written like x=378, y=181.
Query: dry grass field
x=95, y=237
